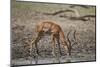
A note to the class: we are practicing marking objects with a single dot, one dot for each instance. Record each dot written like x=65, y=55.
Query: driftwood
x=83, y=18
x=83, y=6
x=76, y=17
x=62, y=11
x=58, y=12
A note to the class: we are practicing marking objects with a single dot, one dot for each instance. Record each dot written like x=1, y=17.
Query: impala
x=57, y=35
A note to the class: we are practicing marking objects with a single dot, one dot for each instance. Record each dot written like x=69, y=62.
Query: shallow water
x=62, y=59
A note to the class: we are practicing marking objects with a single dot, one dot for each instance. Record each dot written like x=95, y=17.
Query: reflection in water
x=38, y=60
x=62, y=59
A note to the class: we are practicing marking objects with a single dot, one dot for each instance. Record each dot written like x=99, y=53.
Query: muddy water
x=62, y=59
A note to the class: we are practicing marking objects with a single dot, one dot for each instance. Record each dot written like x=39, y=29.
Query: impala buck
x=57, y=35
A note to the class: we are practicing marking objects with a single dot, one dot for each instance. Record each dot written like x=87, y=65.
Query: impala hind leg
x=53, y=45
x=58, y=43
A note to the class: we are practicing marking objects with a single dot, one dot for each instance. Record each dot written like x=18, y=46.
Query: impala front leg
x=53, y=45
x=35, y=41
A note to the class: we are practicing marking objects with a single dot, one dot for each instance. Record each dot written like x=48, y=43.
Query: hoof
x=53, y=54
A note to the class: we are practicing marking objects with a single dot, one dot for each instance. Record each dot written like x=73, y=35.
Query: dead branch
x=58, y=12
x=62, y=11
x=83, y=18
x=83, y=6
x=76, y=17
